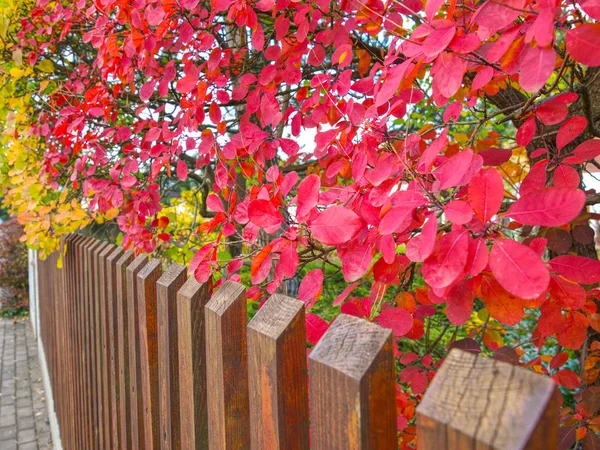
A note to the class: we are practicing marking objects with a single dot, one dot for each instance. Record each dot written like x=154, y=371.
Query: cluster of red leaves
x=182, y=69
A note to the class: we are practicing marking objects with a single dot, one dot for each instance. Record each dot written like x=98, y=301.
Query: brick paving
x=23, y=413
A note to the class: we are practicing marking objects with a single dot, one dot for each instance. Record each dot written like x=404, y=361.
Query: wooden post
x=277, y=376
x=191, y=300
x=82, y=405
x=147, y=306
x=168, y=355
x=112, y=334
x=124, y=387
x=227, y=368
x=481, y=403
x=90, y=338
x=103, y=350
x=138, y=437
x=353, y=389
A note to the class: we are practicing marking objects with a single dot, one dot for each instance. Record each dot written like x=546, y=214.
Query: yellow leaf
x=46, y=66
x=15, y=72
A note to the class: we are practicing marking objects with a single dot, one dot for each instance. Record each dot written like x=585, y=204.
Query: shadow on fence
x=141, y=359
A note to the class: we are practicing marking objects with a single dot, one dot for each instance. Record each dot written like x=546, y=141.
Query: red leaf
x=566, y=177
x=573, y=331
x=583, y=44
x=526, y=132
x=438, y=40
x=311, y=287
x=392, y=82
x=459, y=304
x=261, y=265
x=264, y=214
x=182, y=170
x=577, y=268
x=451, y=173
x=559, y=360
x=550, y=207
x=483, y=77
x=552, y=111
x=336, y=225
x=356, y=260
x=315, y=328
x=398, y=319
x=458, y=212
x=214, y=203
x=587, y=150
x=434, y=149
x=536, y=67
x=570, y=130
x=496, y=15
x=478, y=257
x=535, y=179
x=568, y=379
x=501, y=304
x=396, y=220
x=420, y=247
x=288, y=262
x=308, y=196
x=385, y=273
x=432, y=7
x=147, y=90
x=518, y=269
x=485, y=194
x=566, y=293
x=447, y=261
x=345, y=293
x=448, y=72
x=495, y=156
x=186, y=84
x=591, y=8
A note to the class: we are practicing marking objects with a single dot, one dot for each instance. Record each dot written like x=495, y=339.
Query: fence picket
x=124, y=388
x=138, y=436
x=501, y=407
x=168, y=355
x=353, y=390
x=102, y=350
x=191, y=300
x=277, y=375
x=112, y=334
x=227, y=368
x=147, y=310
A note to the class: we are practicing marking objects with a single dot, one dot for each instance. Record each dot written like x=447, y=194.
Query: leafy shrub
x=13, y=270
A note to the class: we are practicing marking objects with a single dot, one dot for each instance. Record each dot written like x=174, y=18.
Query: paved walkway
x=23, y=414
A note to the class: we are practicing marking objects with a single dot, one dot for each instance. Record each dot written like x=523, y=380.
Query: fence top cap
x=350, y=345
x=491, y=401
x=275, y=315
x=227, y=294
x=171, y=274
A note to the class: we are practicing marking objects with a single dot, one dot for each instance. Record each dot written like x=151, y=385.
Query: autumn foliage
x=430, y=153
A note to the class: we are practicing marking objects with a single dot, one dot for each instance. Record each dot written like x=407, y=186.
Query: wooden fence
x=144, y=359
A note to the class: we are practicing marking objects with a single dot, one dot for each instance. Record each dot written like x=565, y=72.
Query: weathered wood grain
x=227, y=368
x=147, y=310
x=191, y=300
x=123, y=364
x=138, y=436
x=353, y=390
x=168, y=355
x=277, y=376
x=112, y=342
x=481, y=403
x=103, y=351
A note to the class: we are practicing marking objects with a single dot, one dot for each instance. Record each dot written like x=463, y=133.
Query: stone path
x=23, y=413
